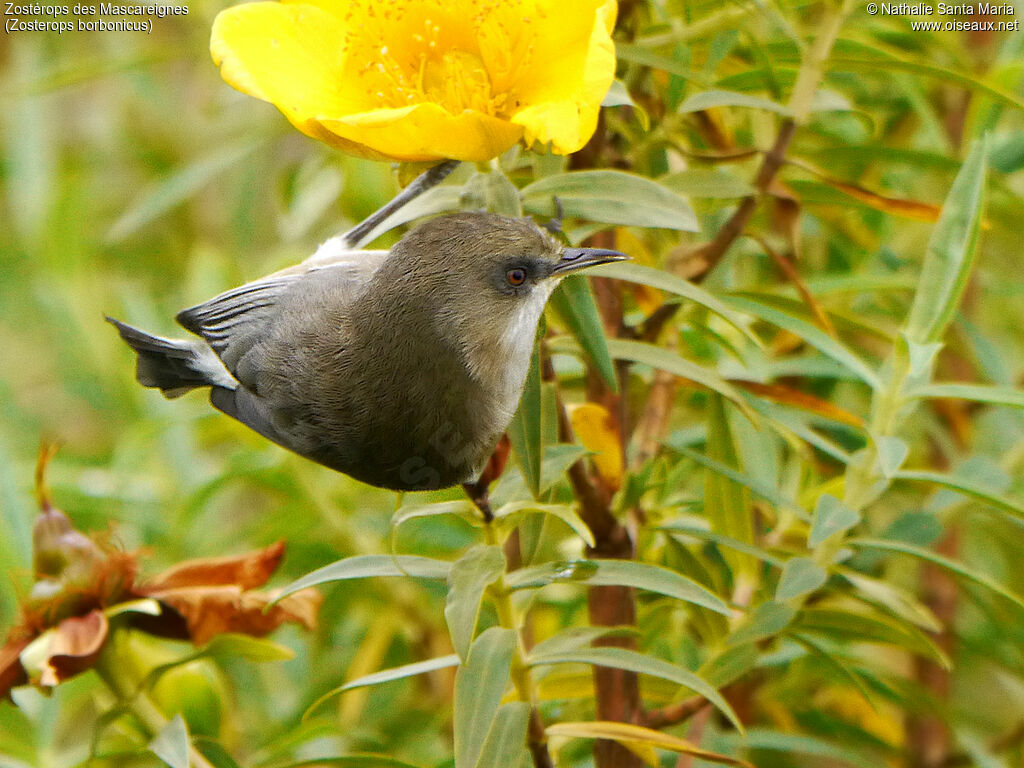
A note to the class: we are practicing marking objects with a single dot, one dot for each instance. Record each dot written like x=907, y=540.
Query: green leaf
x=891, y=598
x=171, y=745
x=800, y=575
x=574, y=304
x=892, y=452
x=352, y=761
x=719, y=98
x=625, y=573
x=386, y=676
x=365, y=566
x=813, y=335
x=658, y=357
x=847, y=625
x=727, y=503
x=618, y=96
x=830, y=516
x=707, y=183
x=972, y=488
x=632, y=661
x=979, y=393
x=658, y=278
x=610, y=197
x=468, y=578
x=679, y=528
x=573, y=638
x=226, y=646
x=950, y=565
x=765, y=621
x=515, y=510
x=763, y=490
x=462, y=508
x=558, y=457
x=525, y=430
x=950, y=252
x=505, y=745
x=479, y=685
x=791, y=744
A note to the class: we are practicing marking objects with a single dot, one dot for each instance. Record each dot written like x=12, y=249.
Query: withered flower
x=83, y=583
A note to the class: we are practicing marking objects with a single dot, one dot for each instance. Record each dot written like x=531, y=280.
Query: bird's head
x=484, y=280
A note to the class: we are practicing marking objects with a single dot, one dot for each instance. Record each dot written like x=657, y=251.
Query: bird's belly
x=414, y=449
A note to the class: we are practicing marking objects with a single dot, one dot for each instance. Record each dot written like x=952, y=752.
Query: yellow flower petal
x=427, y=132
x=568, y=75
x=425, y=79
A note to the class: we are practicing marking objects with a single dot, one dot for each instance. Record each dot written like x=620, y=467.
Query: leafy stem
x=112, y=670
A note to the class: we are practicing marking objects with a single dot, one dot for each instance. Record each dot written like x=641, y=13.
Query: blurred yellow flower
x=425, y=79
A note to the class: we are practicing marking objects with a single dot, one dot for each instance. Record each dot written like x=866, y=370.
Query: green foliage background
x=135, y=183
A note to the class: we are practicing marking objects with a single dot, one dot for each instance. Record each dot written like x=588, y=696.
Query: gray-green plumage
x=399, y=368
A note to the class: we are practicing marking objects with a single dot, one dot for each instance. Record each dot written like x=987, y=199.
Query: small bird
x=400, y=368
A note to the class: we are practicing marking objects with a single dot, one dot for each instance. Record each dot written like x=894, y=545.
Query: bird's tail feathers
x=174, y=366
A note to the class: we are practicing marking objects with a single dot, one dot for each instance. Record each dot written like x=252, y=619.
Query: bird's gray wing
x=234, y=321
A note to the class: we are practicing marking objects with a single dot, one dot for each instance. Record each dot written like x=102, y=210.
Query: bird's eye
x=516, y=276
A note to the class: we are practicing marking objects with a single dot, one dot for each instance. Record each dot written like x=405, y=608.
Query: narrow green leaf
x=468, y=578
x=525, y=430
x=459, y=508
x=726, y=502
x=610, y=197
x=891, y=598
x=830, y=516
x=479, y=685
x=179, y=186
x=505, y=745
x=764, y=491
x=856, y=626
x=837, y=664
x=351, y=761
x=968, y=487
x=813, y=335
x=979, y=393
x=558, y=457
x=707, y=183
x=574, y=304
x=658, y=357
x=951, y=565
x=515, y=510
x=386, y=676
x=626, y=573
x=574, y=638
x=632, y=661
x=658, y=278
x=719, y=98
x=800, y=575
x=950, y=252
x=225, y=646
x=171, y=745
x=792, y=744
x=724, y=541
x=767, y=620
x=365, y=566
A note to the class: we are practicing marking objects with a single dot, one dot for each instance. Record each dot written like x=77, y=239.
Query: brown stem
x=618, y=691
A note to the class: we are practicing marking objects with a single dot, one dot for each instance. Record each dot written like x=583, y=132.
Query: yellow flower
x=425, y=79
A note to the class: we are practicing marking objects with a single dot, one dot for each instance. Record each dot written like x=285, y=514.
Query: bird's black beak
x=573, y=259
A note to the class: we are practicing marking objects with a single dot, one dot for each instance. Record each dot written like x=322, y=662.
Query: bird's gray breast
x=390, y=408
